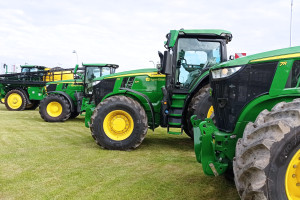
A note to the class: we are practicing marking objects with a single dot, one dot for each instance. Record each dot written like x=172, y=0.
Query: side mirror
x=231, y=57
x=167, y=64
x=161, y=56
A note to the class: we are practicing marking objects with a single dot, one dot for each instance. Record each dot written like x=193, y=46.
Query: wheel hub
x=14, y=101
x=292, y=178
x=54, y=109
x=118, y=125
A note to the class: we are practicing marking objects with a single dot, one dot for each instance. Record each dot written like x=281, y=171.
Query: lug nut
x=294, y=175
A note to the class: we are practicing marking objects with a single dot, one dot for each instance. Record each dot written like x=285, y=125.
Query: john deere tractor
x=256, y=125
x=19, y=91
x=121, y=107
x=63, y=99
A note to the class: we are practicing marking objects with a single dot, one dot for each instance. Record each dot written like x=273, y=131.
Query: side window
x=294, y=75
x=105, y=71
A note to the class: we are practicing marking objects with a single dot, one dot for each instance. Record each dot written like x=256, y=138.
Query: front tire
x=201, y=106
x=55, y=108
x=267, y=162
x=119, y=123
x=15, y=100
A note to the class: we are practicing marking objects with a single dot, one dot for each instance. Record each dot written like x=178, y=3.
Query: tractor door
x=191, y=57
x=93, y=72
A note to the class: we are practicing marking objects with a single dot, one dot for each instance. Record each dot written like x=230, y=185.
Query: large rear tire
x=15, y=100
x=267, y=162
x=55, y=108
x=201, y=106
x=119, y=123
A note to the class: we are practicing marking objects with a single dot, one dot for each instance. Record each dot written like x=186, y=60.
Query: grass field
x=42, y=160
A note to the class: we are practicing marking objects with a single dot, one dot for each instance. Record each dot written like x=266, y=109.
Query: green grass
x=42, y=160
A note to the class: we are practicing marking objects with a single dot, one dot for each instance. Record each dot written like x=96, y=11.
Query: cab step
x=174, y=133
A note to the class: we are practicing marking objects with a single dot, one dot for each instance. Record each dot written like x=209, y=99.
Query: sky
x=129, y=33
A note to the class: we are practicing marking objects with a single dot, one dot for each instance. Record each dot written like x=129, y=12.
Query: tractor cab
x=32, y=68
x=93, y=71
x=186, y=63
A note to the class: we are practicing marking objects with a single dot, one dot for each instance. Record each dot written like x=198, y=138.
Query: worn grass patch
x=42, y=160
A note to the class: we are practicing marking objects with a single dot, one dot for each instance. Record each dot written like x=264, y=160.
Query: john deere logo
x=147, y=79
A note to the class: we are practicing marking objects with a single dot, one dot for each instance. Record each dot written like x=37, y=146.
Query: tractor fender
x=148, y=102
x=66, y=96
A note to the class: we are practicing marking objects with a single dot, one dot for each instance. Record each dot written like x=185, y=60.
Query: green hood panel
x=279, y=54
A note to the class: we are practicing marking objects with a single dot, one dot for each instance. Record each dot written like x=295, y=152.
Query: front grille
x=103, y=88
x=231, y=94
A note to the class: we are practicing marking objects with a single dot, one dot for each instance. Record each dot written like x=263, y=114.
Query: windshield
x=193, y=56
x=25, y=69
x=29, y=69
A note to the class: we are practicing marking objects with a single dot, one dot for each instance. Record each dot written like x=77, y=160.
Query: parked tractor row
x=243, y=114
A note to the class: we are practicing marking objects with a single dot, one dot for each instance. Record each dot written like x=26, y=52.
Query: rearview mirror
x=166, y=65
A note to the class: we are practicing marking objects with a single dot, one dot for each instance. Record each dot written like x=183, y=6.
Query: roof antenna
x=291, y=23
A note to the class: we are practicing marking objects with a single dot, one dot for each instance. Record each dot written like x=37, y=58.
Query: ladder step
x=180, y=97
x=174, y=124
x=176, y=106
x=175, y=115
x=174, y=133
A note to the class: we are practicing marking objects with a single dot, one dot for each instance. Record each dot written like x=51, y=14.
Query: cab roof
x=100, y=65
x=219, y=33
x=32, y=66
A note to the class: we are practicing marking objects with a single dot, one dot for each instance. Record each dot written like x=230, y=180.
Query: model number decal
x=282, y=64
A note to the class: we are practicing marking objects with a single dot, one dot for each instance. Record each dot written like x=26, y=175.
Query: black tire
x=34, y=104
x=18, y=104
x=265, y=151
x=199, y=105
x=62, y=101
x=125, y=104
x=74, y=114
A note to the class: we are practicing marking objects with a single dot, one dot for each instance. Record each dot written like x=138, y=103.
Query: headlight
x=95, y=83
x=222, y=73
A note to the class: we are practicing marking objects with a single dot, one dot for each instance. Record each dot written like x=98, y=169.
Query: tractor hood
x=274, y=55
x=139, y=72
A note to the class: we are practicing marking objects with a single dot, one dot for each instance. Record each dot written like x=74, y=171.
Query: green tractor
x=120, y=107
x=19, y=91
x=63, y=99
x=255, y=130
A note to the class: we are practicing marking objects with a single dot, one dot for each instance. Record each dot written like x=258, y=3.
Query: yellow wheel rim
x=14, y=101
x=118, y=125
x=3, y=100
x=292, y=178
x=54, y=109
x=210, y=112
